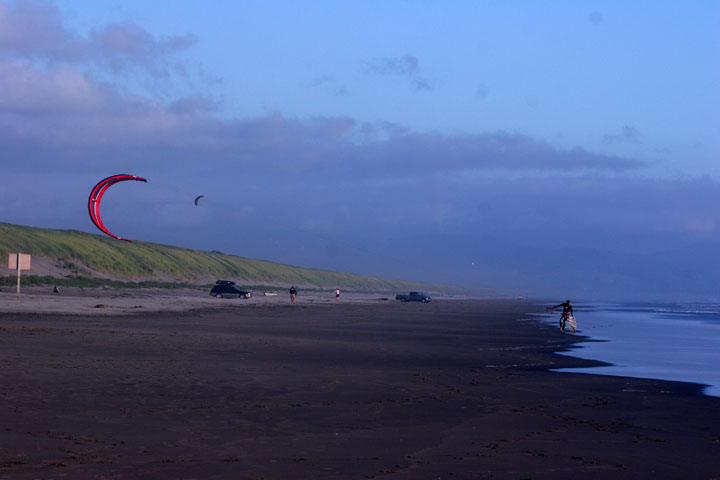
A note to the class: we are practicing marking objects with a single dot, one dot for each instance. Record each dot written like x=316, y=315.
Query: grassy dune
x=84, y=256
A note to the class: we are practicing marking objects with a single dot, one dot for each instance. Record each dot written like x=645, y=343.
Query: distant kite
x=198, y=198
x=96, y=195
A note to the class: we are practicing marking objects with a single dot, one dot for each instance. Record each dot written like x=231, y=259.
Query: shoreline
x=338, y=390
x=639, y=349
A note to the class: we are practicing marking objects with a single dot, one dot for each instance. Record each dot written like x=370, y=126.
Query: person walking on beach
x=566, y=313
x=293, y=294
x=337, y=294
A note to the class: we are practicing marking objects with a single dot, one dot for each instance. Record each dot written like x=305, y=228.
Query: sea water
x=670, y=342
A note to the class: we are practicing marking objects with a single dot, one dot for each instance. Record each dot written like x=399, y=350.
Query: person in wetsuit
x=566, y=313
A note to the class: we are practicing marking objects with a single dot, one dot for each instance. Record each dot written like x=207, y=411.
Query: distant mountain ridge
x=62, y=253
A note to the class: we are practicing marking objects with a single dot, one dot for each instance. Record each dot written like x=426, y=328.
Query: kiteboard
x=572, y=324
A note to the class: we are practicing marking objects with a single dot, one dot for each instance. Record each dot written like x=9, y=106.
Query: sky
x=511, y=145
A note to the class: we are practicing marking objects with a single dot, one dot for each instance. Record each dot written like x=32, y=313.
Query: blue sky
x=334, y=134
x=574, y=73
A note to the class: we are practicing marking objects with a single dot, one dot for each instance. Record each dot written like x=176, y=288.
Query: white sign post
x=19, y=261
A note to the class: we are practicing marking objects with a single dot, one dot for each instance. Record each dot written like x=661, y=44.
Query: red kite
x=96, y=195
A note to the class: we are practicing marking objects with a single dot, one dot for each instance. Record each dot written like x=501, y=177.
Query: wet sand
x=368, y=389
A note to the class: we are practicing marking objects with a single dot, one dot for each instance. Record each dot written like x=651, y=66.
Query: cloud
x=59, y=108
x=35, y=31
x=193, y=105
x=628, y=134
x=119, y=46
x=406, y=66
x=95, y=118
x=330, y=85
x=420, y=83
x=28, y=89
x=403, y=66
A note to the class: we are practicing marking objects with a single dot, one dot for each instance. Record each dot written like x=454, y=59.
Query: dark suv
x=413, y=297
x=226, y=288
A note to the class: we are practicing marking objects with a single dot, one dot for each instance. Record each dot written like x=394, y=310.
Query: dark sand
x=453, y=389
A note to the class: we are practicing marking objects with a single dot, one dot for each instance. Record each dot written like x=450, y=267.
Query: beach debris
x=270, y=294
x=96, y=195
x=101, y=305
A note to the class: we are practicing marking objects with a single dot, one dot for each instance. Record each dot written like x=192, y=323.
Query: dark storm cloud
x=628, y=134
x=406, y=66
x=35, y=31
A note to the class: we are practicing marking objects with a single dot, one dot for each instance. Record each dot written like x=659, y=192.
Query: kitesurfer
x=566, y=313
x=293, y=293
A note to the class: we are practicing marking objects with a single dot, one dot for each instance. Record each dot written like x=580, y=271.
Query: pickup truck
x=413, y=297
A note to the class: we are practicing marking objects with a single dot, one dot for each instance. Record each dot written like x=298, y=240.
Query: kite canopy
x=198, y=198
x=96, y=195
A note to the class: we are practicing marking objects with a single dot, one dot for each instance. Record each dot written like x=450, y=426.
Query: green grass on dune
x=141, y=261
x=89, y=282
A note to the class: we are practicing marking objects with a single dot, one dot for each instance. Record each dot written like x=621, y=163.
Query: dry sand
x=99, y=301
x=262, y=389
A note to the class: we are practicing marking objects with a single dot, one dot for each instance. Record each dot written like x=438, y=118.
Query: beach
x=177, y=385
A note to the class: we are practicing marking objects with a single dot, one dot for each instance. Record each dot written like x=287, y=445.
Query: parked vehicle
x=413, y=297
x=227, y=289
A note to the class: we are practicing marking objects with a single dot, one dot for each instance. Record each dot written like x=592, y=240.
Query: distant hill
x=78, y=255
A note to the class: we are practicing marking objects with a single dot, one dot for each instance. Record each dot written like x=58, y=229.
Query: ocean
x=670, y=342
